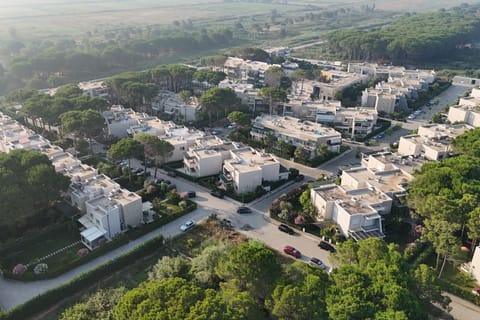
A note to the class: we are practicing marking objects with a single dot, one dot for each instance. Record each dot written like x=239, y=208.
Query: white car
x=187, y=225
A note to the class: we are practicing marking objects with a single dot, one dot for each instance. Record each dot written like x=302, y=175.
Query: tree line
x=29, y=187
x=43, y=64
x=445, y=197
x=414, y=38
x=248, y=281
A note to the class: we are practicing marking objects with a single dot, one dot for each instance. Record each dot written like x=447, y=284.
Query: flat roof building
x=306, y=134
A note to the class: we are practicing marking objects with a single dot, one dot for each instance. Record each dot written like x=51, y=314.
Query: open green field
x=62, y=17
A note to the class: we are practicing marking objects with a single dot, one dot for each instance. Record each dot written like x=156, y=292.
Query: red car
x=292, y=252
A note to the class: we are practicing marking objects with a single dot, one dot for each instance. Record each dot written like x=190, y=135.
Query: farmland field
x=73, y=17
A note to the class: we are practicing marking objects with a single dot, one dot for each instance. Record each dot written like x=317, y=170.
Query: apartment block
x=465, y=114
x=109, y=215
x=246, y=71
x=169, y=103
x=306, y=134
x=358, y=212
x=248, y=168
x=380, y=172
x=108, y=209
x=353, y=121
x=432, y=141
x=337, y=81
x=119, y=119
x=206, y=157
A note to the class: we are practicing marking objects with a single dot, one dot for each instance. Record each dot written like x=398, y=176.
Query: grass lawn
x=188, y=243
x=36, y=250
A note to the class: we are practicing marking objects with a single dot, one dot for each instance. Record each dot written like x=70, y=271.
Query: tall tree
x=273, y=96
x=126, y=148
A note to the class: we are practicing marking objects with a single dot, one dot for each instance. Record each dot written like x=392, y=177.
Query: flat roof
x=359, y=201
x=249, y=159
x=386, y=182
x=294, y=127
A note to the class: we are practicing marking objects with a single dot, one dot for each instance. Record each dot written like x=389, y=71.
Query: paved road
x=463, y=310
x=13, y=293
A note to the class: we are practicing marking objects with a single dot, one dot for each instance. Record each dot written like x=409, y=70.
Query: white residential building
x=246, y=71
x=464, y=114
x=358, y=212
x=353, y=121
x=109, y=215
x=206, y=157
x=108, y=208
x=169, y=103
x=378, y=171
x=119, y=119
x=248, y=168
x=432, y=141
x=338, y=81
x=475, y=264
x=306, y=134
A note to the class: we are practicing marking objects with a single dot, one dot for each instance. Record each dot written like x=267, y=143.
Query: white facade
x=466, y=114
x=306, y=134
x=119, y=119
x=108, y=208
x=475, y=264
x=247, y=168
x=168, y=102
x=357, y=212
x=206, y=157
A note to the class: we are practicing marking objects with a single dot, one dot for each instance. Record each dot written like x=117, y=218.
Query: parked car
x=171, y=174
x=317, y=263
x=217, y=193
x=187, y=225
x=327, y=246
x=192, y=194
x=215, y=132
x=171, y=187
x=286, y=229
x=299, y=178
x=292, y=251
x=159, y=180
x=381, y=135
x=139, y=170
x=243, y=210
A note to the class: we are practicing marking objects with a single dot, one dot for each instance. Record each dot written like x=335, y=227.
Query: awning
x=92, y=234
x=86, y=222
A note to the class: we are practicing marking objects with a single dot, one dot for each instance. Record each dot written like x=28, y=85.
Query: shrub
x=19, y=269
x=40, y=268
x=183, y=204
x=82, y=252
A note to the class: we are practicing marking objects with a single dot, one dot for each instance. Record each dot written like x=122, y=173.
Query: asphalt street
x=256, y=225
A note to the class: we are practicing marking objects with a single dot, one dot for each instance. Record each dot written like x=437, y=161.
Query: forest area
x=74, y=42
x=415, y=38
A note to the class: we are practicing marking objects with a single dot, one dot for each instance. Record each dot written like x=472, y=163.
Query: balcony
x=226, y=180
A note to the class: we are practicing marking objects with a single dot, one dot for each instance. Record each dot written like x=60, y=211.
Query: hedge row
x=47, y=299
x=105, y=248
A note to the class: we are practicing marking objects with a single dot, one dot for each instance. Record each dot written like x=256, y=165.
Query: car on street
x=217, y=193
x=381, y=135
x=411, y=117
x=243, y=210
x=286, y=229
x=317, y=263
x=187, y=225
x=191, y=194
x=299, y=178
x=327, y=246
x=291, y=251
x=215, y=132
x=171, y=174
